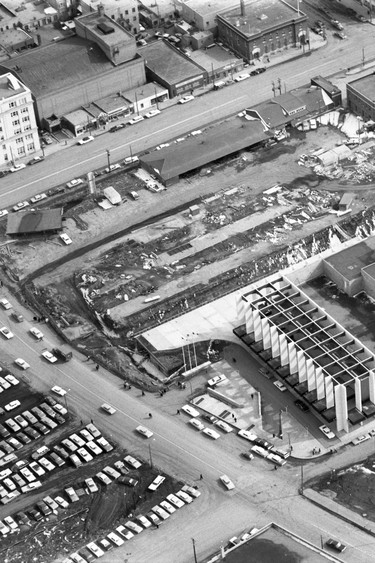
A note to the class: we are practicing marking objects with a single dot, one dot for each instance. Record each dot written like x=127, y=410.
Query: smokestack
x=243, y=11
x=101, y=9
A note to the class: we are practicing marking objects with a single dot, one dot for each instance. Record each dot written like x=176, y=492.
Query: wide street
x=73, y=161
x=261, y=495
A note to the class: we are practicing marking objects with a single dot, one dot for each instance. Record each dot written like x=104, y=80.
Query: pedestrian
x=81, y=421
x=235, y=419
x=88, y=358
x=129, y=387
x=143, y=393
x=201, y=477
x=92, y=422
x=252, y=395
x=275, y=467
x=97, y=367
x=178, y=411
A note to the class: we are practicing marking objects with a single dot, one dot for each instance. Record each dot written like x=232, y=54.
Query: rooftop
x=349, y=262
x=58, y=65
x=110, y=104
x=77, y=117
x=167, y=63
x=144, y=91
x=365, y=86
x=38, y=221
x=105, y=28
x=260, y=15
x=197, y=151
x=10, y=37
x=6, y=88
x=202, y=7
x=215, y=56
x=14, y=11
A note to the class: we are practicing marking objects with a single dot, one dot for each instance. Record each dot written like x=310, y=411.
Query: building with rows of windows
x=18, y=130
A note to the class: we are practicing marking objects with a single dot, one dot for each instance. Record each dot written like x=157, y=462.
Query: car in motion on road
x=75, y=182
x=58, y=390
x=6, y=332
x=227, y=482
x=144, y=431
x=327, y=432
x=36, y=333
x=186, y=99
x=85, y=140
x=21, y=363
x=336, y=545
x=5, y=303
x=49, y=357
x=107, y=408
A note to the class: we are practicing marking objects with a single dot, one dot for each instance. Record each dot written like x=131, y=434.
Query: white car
x=11, y=523
x=95, y=549
x=65, y=238
x=280, y=386
x=144, y=521
x=27, y=474
x=38, y=470
x=259, y=451
x=184, y=496
x=4, y=383
x=190, y=411
x=144, y=431
x=115, y=539
x=224, y=426
x=247, y=435
x=86, y=435
x=3, y=212
x=186, y=99
x=133, y=527
x=91, y=485
x=84, y=455
x=72, y=494
x=51, y=503
x=75, y=182
x=131, y=159
x=85, y=140
x=195, y=493
x=11, y=379
x=217, y=379
x=136, y=120
x=127, y=534
x=152, y=113
x=112, y=472
x=156, y=483
x=113, y=167
x=104, y=444
x=163, y=514
x=241, y=77
x=196, y=423
x=77, y=440
x=62, y=502
x=134, y=195
x=5, y=303
x=21, y=363
x=12, y=405
x=276, y=459
x=211, y=433
x=134, y=463
x=36, y=333
x=46, y=464
x=177, y=502
x=49, y=356
x=6, y=332
x=167, y=506
x=17, y=167
x=58, y=390
x=103, y=478
x=38, y=197
x=60, y=409
x=327, y=432
x=107, y=408
x=94, y=448
x=21, y=205
x=227, y=482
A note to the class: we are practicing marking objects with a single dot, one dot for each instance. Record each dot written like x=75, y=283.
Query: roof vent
x=105, y=28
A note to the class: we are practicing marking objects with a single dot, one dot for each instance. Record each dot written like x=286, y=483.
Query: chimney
x=243, y=11
x=101, y=10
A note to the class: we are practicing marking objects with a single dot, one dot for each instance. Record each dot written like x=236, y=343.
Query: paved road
x=261, y=494
x=74, y=161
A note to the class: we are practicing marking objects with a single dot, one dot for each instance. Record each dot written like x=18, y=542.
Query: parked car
x=136, y=119
x=177, y=502
x=127, y=534
x=133, y=527
x=241, y=77
x=132, y=461
x=115, y=539
x=12, y=405
x=191, y=411
x=152, y=113
x=86, y=139
x=196, y=423
x=17, y=167
x=186, y=99
x=280, y=386
x=65, y=238
x=259, y=451
x=167, y=506
x=129, y=481
x=75, y=182
x=250, y=436
x=336, y=545
x=263, y=443
x=211, y=433
x=276, y=459
x=35, y=160
x=183, y=495
x=21, y=205
x=301, y=405
x=38, y=197
x=91, y=485
x=156, y=483
x=326, y=431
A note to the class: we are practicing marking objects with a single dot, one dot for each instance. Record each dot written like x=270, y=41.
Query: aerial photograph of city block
x=187, y=281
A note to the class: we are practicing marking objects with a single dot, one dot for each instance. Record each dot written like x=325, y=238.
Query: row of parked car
x=131, y=528
x=263, y=448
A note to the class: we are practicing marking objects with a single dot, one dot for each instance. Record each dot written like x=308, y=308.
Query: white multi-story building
x=18, y=130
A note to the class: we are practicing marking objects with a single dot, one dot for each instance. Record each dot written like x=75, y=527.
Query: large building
x=202, y=14
x=262, y=27
x=63, y=76
x=18, y=130
x=361, y=97
x=125, y=12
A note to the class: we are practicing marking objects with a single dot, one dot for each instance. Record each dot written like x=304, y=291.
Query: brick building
x=261, y=27
x=361, y=97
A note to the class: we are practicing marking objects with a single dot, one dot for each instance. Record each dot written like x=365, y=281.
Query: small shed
x=112, y=195
x=345, y=202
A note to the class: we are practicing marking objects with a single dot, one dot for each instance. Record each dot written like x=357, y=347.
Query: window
x=4, y=147
x=27, y=118
x=133, y=10
x=27, y=128
x=28, y=137
x=21, y=150
x=19, y=140
x=126, y=12
x=17, y=131
x=12, y=104
x=25, y=110
x=134, y=18
x=14, y=114
x=16, y=122
x=23, y=101
x=30, y=147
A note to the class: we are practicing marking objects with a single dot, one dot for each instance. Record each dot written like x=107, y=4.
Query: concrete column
x=341, y=402
x=257, y=326
x=275, y=342
x=311, y=380
x=249, y=319
x=301, y=364
x=284, y=356
x=240, y=305
x=371, y=384
x=330, y=400
x=292, y=353
x=266, y=334
x=358, y=394
x=320, y=388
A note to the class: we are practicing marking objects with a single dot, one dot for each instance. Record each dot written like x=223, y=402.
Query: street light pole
x=149, y=450
x=194, y=551
x=108, y=157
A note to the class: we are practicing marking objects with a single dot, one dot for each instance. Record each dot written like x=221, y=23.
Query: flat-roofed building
x=202, y=14
x=37, y=221
x=125, y=12
x=261, y=27
x=361, y=97
x=18, y=129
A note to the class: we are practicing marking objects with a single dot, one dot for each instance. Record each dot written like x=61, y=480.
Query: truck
x=62, y=355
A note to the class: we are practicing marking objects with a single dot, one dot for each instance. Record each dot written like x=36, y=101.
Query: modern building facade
x=316, y=356
x=361, y=97
x=18, y=130
x=261, y=27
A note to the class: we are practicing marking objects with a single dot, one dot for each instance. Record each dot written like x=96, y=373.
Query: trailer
x=112, y=195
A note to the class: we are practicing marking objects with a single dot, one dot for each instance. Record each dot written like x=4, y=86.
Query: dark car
x=261, y=69
x=247, y=455
x=59, y=419
x=4, y=433
x=50, y=400
x=124, y=480
x=57, y=459
x=301, y=405
x=43, y=508
x=35, y=515
x=22, y=519
x=32, y=433
x=61, y=452
x=117, y=127
x=336, y=545
x=87, y=555
x=35, y=160
x=41, y=428
x=23, y=438
x=263, y=443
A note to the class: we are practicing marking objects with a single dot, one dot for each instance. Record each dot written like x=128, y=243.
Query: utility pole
x=273, y=88
x=363, y=56
x=108, y=158
x=279, y=85
x=195, y=553
x=149, y=450
x=301, y=478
